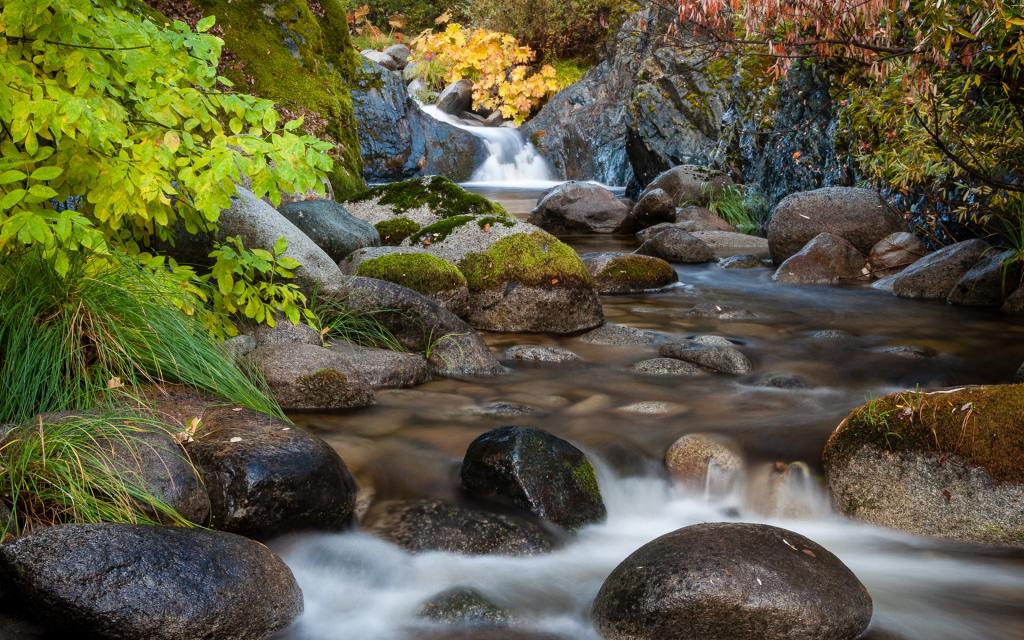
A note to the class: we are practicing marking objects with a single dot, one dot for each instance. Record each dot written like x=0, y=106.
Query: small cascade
x=511, y=158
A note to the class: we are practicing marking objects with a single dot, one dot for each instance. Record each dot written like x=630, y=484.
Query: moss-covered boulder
x=437, y=279
x=945, y=463
x=297, y=53
x=627, y=272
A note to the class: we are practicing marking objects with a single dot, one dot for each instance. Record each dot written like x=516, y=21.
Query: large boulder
x=628, y=273
x=266, y=477
x=383, y=369
x=421, y=325
x=944, y=463
x=675, y=245
x=456, y=97
x=827, y=259
x=894, y=252
x=732, y=581
x=655, y=206
x=987, y=283
x=436, y=525
x=331, y=226
x=308, y=377
x=124, y=582
x=531, y=469
x=727, y=243
x=690, y=184
x=935, y=275
x=398, y=140
x=860, y=216
x=580, y=207
x=415, y=269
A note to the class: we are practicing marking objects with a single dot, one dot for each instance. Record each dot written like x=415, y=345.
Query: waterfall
x=511, y=159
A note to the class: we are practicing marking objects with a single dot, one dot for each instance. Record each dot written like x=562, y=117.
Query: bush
x=555, y=28
x=495, y=62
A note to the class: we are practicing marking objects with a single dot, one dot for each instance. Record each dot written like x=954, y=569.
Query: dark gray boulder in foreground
x=126, y=582
x=987, y=283
x=266, y=477
x=827, y=259
x=331, y=226
x=535, y=471
x=934, y=276
x=437, y=525
x=731, y=581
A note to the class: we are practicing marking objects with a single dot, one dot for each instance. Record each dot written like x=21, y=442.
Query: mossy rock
x=535, y=259
x=944, y=463
x=443, y=228
x=298, y=54
x=617, y=273
x=440, y=195
x=394, y=231
x=420, y=272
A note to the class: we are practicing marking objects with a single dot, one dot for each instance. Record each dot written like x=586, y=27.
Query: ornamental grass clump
x=109, y=325
x=82, y=469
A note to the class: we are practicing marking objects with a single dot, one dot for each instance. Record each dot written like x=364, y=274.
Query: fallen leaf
x=114, y=383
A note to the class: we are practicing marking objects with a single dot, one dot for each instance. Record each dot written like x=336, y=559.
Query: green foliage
x=419, y=14
x=107, y=325
x=420, y=272
x=338, y=322
x=569, y=71
x=535, y=259
x=394, y=231
x=82, y=469
x=747, y=211
x=250, y=283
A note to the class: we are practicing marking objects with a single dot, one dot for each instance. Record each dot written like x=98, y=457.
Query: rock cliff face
x=399, y=141
x=659, y=100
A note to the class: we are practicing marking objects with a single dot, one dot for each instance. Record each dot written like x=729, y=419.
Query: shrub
x=494, y=61
x=108, y=324
x=78, y=469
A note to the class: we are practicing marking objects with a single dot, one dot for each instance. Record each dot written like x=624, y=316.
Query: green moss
x=586, y=478
x=535, y=259
x=395, y=230
x=420, y=272
x=630, y=268
x=302, y=59
x=444, y=198
x=982, y=425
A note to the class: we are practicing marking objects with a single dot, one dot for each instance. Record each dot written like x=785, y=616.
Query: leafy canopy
x=99, y=102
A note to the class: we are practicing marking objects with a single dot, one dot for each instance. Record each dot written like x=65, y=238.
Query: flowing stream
x=410, y=445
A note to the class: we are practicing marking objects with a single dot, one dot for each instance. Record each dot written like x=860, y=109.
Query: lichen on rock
x=420, y=272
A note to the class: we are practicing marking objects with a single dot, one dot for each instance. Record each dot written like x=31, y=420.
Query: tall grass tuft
x=743, y=209
x=109, y=324
x=79, y=469
x=339, y=322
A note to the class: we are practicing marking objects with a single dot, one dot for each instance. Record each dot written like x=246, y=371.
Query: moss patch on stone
x=535, y=259
x=420, y=272
x=982, y=425
x=442, y=196
x=394, y=231
x=628, y=269
x=297, y=53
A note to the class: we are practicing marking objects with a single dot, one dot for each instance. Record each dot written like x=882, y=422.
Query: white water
x=511, y=158
x=360, y=588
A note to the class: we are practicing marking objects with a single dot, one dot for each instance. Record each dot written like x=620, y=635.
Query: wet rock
x=304, y=376
x=618, y=335
x=894, y=252
x=732, y=581
x=157, y=463
x=885, y=284
x=619, y=273
x=418, y=323
x=383, y=369
x=580, y=207
x=695, y=218
x=654, y=408
x=935, y=275
x=721, y=312
x=464, y=606
x=690, y=184
x=675, y=245
x=331, y=226
x=717, y=358
x=502, y=409
x=827, y=259
x=484, y=633
x=535, y=471
x=780, y=381
x=266, y=477
x=436, y=525
x=381, y=58
x=285, y=333
x=742, y=261
x=125, y=582
x=1014, y=302
x=727, y=243
x=456, y=97
x=944, y=463
x=832, y=335
x=906, y=351
x=858, y=215
x=988, y=282
x=667, y=367
x=400, y=53
x=691, y=458
x=654, y=206
x=533, y=353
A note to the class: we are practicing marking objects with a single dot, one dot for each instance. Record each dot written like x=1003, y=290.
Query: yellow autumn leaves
x=496, y=63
